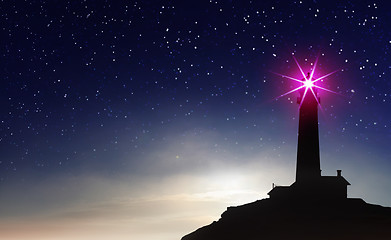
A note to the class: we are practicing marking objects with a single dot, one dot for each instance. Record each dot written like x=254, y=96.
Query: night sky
x=146, y=119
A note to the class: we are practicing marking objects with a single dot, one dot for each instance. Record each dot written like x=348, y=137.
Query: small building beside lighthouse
x=324, y=187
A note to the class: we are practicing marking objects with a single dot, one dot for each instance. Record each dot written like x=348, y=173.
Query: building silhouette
x=309, y=181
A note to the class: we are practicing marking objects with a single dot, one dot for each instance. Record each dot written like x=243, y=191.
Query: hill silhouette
x=299, y=219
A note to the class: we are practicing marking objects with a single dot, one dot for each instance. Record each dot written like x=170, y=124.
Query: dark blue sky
x=162, y=88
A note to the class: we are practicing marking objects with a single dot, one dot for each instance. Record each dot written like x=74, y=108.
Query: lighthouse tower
x=310, y=184
x=308, y=157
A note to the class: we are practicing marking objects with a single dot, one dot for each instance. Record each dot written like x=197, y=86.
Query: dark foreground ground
x=305, y=219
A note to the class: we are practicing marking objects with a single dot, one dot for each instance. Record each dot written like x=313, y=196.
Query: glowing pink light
x=308, y=83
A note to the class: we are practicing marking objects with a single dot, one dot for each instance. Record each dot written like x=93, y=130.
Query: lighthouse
x=310, y=184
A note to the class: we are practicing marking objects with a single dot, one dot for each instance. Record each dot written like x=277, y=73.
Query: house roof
x=334, y=179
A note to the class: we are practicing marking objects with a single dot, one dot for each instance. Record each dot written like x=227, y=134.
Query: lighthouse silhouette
x=309, y=181
x=308, y=156
x=313, y=207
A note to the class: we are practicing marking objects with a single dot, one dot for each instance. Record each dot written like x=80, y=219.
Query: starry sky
x=146, y=119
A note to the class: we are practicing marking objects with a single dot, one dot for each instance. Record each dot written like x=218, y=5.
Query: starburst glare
x=308, y=81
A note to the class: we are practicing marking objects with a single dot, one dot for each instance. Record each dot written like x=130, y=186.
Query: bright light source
x=307, y=81
x=308, y=84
